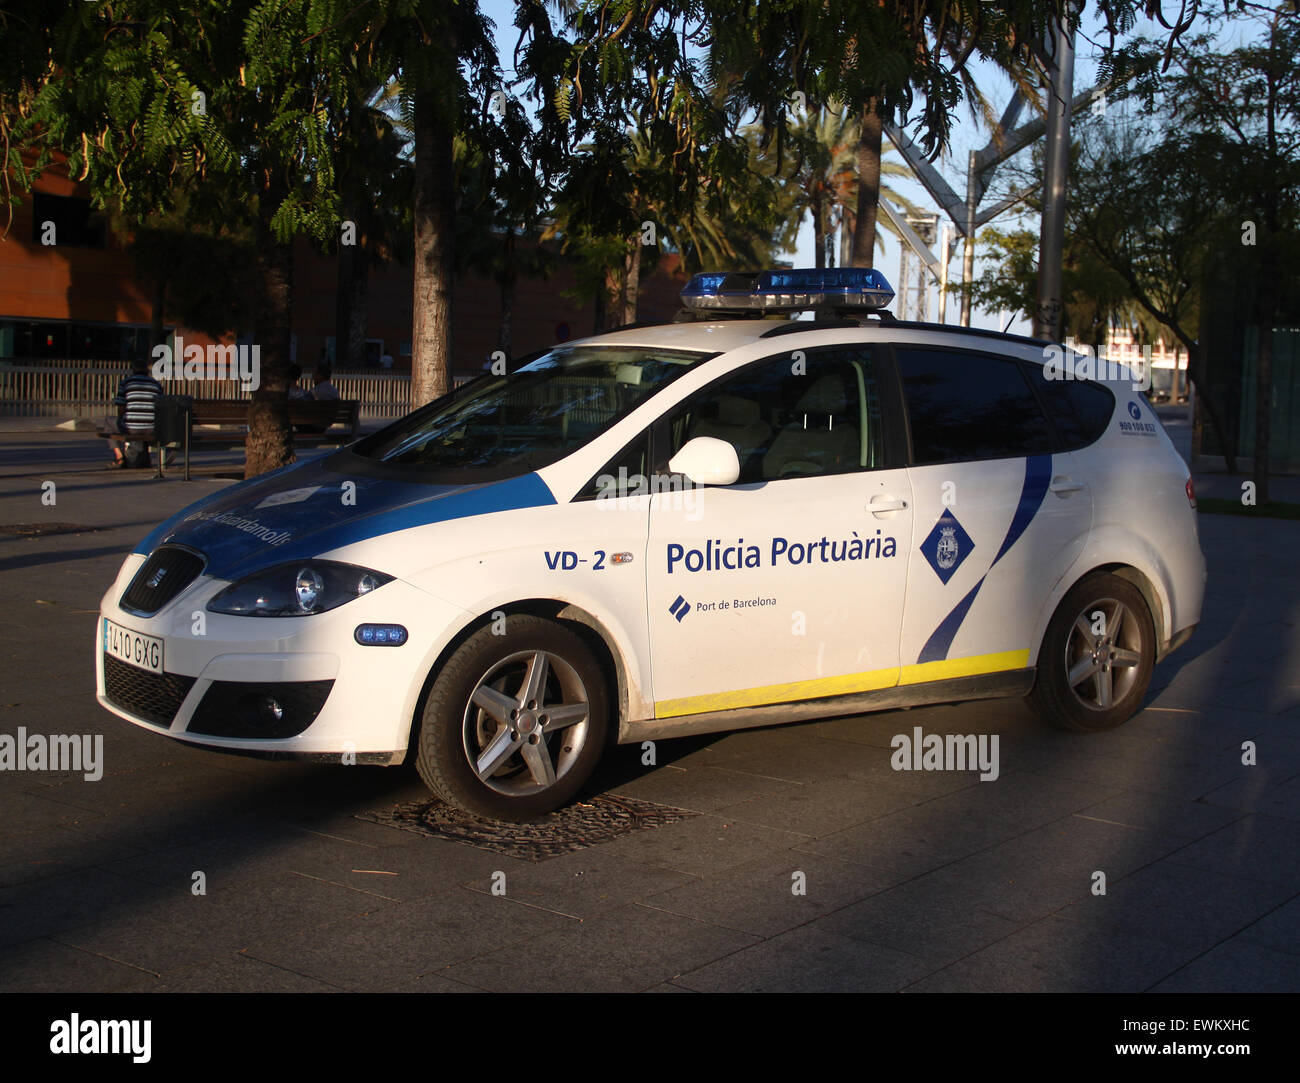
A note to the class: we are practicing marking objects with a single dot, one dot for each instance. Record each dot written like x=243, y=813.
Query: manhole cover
x=572, y=828
x=31, y=530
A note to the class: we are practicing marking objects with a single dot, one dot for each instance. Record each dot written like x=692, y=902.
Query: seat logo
x=156, y=578
x=946, y=546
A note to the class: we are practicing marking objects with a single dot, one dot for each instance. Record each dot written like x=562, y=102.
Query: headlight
x=297, y=590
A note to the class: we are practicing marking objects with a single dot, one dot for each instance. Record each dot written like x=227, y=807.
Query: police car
x=733, y=520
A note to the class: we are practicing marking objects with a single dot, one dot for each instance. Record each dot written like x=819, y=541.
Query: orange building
x=68, y=290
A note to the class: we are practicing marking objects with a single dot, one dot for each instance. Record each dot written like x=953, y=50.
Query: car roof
x=711, y=337
x=717, y=336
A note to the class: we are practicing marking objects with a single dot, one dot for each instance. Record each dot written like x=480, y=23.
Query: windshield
x=532, y=417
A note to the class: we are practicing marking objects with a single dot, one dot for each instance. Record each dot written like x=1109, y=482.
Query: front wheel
x=514, y=724
x=1097, y=656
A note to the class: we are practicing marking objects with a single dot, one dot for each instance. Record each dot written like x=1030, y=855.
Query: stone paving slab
x=916, y=881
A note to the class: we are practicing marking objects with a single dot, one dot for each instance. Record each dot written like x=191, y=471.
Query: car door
x=1001, y=512
x=789, y=584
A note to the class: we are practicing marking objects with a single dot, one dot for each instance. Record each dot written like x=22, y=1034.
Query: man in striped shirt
x=136, y=401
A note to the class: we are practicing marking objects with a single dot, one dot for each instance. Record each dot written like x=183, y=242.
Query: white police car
x=724, y=522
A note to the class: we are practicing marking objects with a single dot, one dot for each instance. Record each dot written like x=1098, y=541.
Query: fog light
x=380, y=635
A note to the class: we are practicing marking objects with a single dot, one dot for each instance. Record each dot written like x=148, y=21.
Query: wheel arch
x=1145, y=585
x=587, y=626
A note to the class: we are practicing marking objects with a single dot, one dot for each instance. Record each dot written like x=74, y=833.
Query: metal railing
x=65, y=388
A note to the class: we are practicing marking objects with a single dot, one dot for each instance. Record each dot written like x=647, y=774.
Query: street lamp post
x=1051, y=241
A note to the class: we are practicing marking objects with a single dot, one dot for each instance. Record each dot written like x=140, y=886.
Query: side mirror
x=707, y=460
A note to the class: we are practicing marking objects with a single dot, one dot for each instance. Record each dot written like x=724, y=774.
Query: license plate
x=133, y=648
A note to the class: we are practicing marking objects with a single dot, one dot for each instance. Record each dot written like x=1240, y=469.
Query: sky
x=967, y=134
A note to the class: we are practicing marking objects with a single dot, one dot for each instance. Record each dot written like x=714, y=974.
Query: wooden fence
x=67, y=388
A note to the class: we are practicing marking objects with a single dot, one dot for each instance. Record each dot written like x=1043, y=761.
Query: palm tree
x=822, y=176
x=739, y=217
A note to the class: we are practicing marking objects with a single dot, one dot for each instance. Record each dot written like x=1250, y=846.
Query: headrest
x=825, y=396
x=733, y=410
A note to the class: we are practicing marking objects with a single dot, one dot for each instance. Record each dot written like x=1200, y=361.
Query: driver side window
x=788, y=416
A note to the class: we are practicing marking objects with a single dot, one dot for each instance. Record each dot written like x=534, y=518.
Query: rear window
x=1079, y=409
x=966, y=406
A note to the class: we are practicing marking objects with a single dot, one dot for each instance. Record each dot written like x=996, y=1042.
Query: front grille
x=155, y=697
x=166, y=573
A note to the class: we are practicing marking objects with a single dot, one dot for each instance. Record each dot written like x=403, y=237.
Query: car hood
x=307, y=509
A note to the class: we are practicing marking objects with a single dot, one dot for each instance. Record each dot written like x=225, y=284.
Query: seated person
x=324, y=388
x=136, y=401
x=323, y=391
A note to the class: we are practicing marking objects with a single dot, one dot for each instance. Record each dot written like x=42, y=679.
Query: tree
x=895, y=60
x=1243, y=106
x=1096, y=298
x=196, y=274
x=223, y=115
x=1147, y=213
x=623, y=204
x=445, y=62
x=375, y=183
x=26, y=43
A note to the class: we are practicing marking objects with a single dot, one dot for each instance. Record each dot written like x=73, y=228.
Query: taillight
x=1191, y=493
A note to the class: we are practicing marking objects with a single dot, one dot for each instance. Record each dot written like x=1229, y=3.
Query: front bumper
x=332, y=698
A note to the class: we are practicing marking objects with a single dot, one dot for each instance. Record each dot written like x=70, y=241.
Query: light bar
x=788, y=291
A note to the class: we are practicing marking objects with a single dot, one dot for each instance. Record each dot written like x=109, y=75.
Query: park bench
x=225, y=421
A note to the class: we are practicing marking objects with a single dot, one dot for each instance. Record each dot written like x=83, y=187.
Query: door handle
x=1063, y=484
x=886, y=504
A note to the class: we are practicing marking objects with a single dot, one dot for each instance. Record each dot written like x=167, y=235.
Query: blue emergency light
x=788, y=291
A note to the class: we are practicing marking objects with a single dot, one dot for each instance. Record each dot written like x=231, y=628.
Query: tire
x=1097, y=656
x=540, y=756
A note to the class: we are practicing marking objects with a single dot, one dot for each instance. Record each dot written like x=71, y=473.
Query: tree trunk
x=506, y=283
x=1263, y=387
x=611, y=308
x=864, y=235
x=631, y=278
x=434, y=255
x=270, y=439
x=1205, y=400
x=343, y=304
x=157, y=315
x=358, y=309
x=819, y=232
x=506, y=286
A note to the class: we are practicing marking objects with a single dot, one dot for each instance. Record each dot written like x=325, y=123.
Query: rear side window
x=1079, y=409
x=965, y=406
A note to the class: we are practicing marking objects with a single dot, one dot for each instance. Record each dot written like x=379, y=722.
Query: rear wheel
x=514, y=724
x=1097, y=656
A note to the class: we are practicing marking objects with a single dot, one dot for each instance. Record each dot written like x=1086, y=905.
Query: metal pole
x=1051, y=241
x=943, y=274
x=968, y=251
x=902, y=281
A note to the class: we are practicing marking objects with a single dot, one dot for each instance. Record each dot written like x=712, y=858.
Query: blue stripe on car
x=1038, y=473
x=245, y=528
